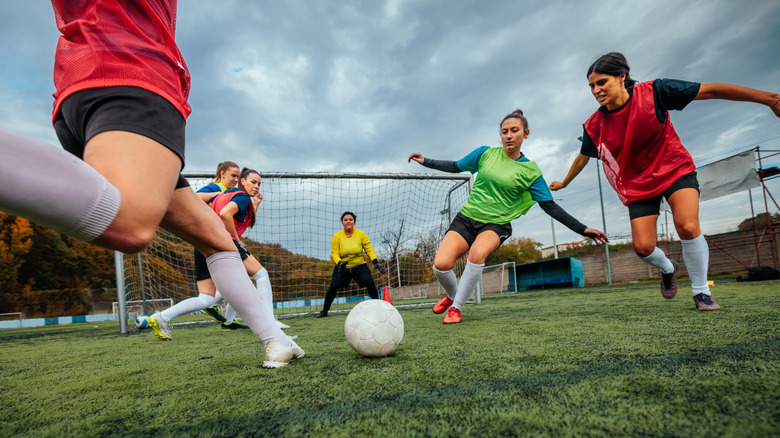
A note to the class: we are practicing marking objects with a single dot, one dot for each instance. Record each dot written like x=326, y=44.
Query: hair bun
x=518, y=111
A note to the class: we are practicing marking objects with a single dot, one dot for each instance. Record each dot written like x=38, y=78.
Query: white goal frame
x=449, y=190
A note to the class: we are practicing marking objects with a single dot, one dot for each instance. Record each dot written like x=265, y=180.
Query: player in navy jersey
x=644, y=160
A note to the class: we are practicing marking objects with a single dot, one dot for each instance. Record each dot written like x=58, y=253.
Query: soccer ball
x=142, y=322
x=374, y=328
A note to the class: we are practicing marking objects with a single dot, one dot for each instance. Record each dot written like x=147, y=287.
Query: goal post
x=405, y=217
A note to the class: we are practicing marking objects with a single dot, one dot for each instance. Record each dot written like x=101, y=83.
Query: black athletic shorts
x=652, y=206
x=201, y=267
x=469, y=229
x=86, y=113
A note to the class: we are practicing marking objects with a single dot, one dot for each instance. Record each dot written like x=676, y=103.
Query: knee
x=688, y=231
x=443, y=265
x=643, y=249
x=128, y=241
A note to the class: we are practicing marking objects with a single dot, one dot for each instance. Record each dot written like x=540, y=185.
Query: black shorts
x=469, y=229
x=201, y=267
x=86, y=113
x=652, y=206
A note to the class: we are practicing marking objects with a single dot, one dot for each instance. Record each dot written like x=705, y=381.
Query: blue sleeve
x=244, y=203
x=211, y=188
x=539, y=190
x=470, y=162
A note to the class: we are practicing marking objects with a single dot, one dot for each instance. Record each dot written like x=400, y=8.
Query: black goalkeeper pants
x=341, y=279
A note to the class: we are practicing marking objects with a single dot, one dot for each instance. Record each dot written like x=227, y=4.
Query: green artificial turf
x=602, y=361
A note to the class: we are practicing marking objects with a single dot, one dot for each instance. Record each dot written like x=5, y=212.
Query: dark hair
x=613, y=64
x=516, y=114
x=223, y=167
x=245, y=172
x=354, y=218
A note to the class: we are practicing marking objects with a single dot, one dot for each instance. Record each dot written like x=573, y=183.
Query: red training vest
x=109, y=43
x=223, y=199
x=641, y=156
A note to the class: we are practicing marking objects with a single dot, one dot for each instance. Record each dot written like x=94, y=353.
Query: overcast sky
x=355, y=86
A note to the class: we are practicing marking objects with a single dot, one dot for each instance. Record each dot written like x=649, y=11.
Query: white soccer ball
x=142, y=322
x=374, y=328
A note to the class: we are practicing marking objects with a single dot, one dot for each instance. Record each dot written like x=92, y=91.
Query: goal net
x=404, y=215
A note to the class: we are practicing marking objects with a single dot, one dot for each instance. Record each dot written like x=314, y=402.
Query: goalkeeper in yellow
x=347, y=248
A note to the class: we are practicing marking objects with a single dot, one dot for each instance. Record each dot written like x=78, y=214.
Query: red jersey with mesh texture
x=641, y=156
x=223, y=199
x=109, y=43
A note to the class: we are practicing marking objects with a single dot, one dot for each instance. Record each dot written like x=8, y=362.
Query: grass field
x=602, y=361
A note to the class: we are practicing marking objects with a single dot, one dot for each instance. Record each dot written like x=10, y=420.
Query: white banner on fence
x=724, y=177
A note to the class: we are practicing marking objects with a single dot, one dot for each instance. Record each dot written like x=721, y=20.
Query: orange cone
x=386, y=296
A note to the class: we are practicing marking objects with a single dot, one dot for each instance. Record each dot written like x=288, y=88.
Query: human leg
x=685, y=213
x=338, y=280
x=485, y=243
x=196, y=223
x=363, y=278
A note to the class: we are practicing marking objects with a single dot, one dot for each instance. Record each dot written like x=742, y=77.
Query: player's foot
x=235, y=325
x=322, y=314
x=277, y=355
x=705, y=302
x=442, y=305
x=453, y=316
x=214, y=313
x=162, y=328
x=281, y=325
x=669, y=283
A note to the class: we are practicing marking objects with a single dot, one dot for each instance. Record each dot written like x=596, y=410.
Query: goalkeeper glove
x=342, y=264
x=379, y=266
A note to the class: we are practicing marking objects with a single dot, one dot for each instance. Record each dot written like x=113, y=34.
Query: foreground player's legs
x=192, y=220
x=73, y=198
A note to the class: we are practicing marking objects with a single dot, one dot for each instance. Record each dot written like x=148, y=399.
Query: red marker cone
x=386, y=296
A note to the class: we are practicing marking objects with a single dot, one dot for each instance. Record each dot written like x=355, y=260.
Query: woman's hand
x=556, y=185
x=597, y=236
x=416, y=156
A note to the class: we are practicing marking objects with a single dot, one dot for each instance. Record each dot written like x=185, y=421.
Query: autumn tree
x=519, y=250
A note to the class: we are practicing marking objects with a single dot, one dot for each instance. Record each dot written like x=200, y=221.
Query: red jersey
x=220, y=201
x=108, y=43
x=641, y=156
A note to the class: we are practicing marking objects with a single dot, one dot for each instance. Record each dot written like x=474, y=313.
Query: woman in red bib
x=644, y=160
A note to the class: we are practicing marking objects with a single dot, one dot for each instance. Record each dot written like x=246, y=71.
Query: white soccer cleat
x=277, y=355
x=162, y=328
x=281, y=325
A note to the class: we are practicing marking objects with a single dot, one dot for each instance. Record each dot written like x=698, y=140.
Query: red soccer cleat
x=453, y=316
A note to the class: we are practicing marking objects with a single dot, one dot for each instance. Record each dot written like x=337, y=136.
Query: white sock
x=659, y=260
x=229, y=275
x=447, y=280
x=217, y=297
x=187, y=306
x=230, y=314
x=81, y=204
x=471, y=276
x=263, y=283
x=696, y=254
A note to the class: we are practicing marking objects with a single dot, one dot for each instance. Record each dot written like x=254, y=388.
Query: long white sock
x=471, y=275
x=229, y=275
x=217, y=297
x=447, y=280
x=81, y=204
x=659, y=260
x=188, y=306
x=230, y=314
x=696, y=254
x=263, y=283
